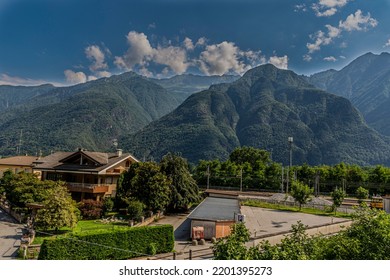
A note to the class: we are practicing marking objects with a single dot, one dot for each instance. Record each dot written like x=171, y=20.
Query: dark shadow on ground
x=182, y=233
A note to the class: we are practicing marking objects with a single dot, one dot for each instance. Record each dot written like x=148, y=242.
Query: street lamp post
x=290, y=141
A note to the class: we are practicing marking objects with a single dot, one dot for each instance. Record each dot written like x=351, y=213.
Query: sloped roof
x=216, y=209
x=59, y=161
x=18, y=160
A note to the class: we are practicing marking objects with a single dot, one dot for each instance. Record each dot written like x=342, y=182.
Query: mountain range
x=262, y=109
x=207, y=117
x=366, y=83
x=90, y=115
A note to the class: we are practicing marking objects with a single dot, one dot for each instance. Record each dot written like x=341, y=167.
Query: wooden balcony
x=89, y=188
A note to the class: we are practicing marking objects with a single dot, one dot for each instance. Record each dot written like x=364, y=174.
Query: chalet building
x=17, y=164
x=88, y=175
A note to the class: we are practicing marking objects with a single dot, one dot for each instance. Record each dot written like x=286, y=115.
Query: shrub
x=108, y=204
x=91, y=209
x=116, y=244
x=135, y=209
x=361, y=194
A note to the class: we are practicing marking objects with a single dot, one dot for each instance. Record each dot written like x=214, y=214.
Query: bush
x=91, y=209
x=119, y=244
x=108, y=205
x=135, y=209
x=361, y=194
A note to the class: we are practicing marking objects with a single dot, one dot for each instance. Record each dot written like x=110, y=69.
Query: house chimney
x=119, y=152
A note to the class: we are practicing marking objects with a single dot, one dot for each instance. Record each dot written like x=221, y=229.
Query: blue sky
x=72, y=41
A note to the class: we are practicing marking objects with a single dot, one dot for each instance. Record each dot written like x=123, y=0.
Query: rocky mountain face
x=366, y=83
x=262, y=109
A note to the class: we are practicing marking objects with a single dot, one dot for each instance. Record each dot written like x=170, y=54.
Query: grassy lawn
x=307, y=210
x=82, y=226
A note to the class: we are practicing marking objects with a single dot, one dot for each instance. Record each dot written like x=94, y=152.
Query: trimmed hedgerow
x=110, y=245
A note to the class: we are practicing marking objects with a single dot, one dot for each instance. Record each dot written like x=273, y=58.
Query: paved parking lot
x=261, y=221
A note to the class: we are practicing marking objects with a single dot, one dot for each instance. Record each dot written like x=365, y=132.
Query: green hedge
x=133, y=242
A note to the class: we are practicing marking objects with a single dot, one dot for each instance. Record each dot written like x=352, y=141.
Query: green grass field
x=307, y=210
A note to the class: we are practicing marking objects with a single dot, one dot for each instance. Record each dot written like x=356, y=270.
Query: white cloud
x=139, y=51
x=222, y=58
x=188, y=44
x=354, y=22
x=387, y=44
x=327, y=8
x=300, y=7
x=307, y=57
x=174, y=57
x=330, y=59
x=214, y=59
x=201, y=41
x=75, y=77
x=358, y=22
x=279, y=61
x=95, y=54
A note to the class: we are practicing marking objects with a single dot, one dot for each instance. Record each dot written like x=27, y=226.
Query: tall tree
x=60, y=210
x=145, y=182
x=184, y=189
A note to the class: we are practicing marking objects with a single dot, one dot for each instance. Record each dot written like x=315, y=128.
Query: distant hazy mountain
x=262, y=109
x=182, y=86
x=89, y=115
x=366, y=83
x=11, y=96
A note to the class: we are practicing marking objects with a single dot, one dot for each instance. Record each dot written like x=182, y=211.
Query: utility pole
x=241, y=180
x=290, y=141
x=282, y=184
x=208, y=176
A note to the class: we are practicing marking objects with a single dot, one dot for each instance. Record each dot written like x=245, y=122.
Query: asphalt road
x=10, y=234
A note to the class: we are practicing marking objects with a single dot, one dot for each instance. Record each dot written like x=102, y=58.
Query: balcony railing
x=89, y=188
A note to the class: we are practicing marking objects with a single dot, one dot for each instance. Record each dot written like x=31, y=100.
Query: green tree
x=145, y=182
x=184, y=189
x=338, y=196
x=233, y=246
x=301, y=193
x=23, y=188
x=135, y=209
x=361, y=194
x=59, y=210
x=255, y=157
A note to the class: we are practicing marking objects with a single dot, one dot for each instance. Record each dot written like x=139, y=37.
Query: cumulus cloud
x=219, y=59
x=96, y=55
x=188, y=44
x=139, y=51
x=387, y=44
x=75, y=77
x=330, y=59
x=211, y=59
x=354, y=22
x=279, y=61
x=358, y=22
x=174, y=57
x=327, y=8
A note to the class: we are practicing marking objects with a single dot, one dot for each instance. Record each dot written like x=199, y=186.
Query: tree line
x=253, y=169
